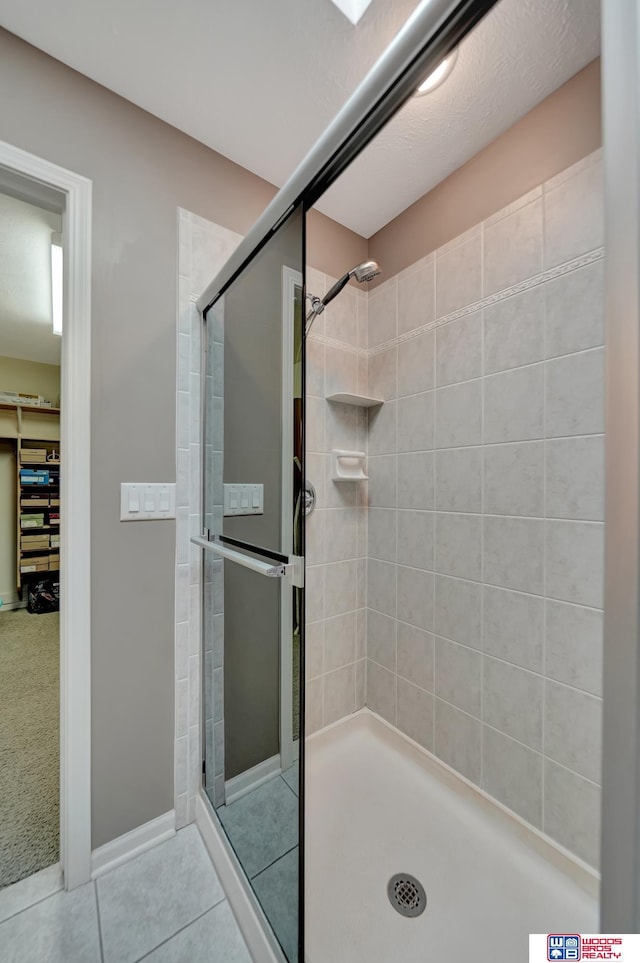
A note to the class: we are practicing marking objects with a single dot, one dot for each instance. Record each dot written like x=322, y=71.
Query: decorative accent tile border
x=533, y=282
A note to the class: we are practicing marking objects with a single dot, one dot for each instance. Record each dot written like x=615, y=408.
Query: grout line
x=273, y=862
x=520, y=287
x=181, y=930
x=95, y=890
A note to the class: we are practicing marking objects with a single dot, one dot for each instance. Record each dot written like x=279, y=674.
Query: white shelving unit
x=359, y=401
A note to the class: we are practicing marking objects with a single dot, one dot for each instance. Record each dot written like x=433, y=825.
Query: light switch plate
x=147, y=501
x=244, y=500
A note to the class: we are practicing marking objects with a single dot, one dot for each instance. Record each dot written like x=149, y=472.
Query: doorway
x=45, y=616
x=30, y=334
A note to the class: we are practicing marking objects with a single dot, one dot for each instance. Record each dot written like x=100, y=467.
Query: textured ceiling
x=259, y=82
x=25, y=281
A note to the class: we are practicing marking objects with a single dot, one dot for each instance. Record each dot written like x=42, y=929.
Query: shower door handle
x=293, y=569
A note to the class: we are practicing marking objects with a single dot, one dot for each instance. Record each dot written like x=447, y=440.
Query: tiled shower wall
x=485, y=520
x=202, y=250
x=336, y=531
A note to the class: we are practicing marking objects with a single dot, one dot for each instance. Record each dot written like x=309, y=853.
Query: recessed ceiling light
x=439, y=75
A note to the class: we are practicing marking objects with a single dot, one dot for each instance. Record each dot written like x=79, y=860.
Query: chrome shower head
x=361, y=272
x=365, y=271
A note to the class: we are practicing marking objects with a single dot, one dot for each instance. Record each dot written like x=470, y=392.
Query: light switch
x=144, y=502
x=243, y=499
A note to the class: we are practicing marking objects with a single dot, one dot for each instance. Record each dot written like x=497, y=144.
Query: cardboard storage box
x=38, y=455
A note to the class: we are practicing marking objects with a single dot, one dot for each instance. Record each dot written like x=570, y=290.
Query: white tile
x=458, y=275
x=574, y=310
x=341, y=320
x=513, y=627
x=415, y=597
x=575, y=562
x=217, y=928
x=415, y=480
x=339, y=694
x=381, y=534
x=415, y=538
x=416, y=422
x=381, y=691
x=459, y=350
x=61, y=929
x=512, y=774
x=416, y=295
x=315, y=357
x=341, y=534
x=314, y=649
x=382, y=430
x=514, y=405
x=313, y=706
x=381, y=639
x=512, y=701
x=574, y=394
x=339, y=588
x=573, y=652
x=514, y=331
x=458, y=606
x=150, y=898
x=415, y=655
x=572, y=812
x=459, y=480
x=416, y=360
x=339, y=641
x=573, y=730
x=574, y=215
x=457, y=740
x=415, y=713
x=513, y=248
x=341, y=371
x=574, y=486
x=459, y=415
x=382, y=481
x=381, y=586
x=514, y=479
x=262, y=825
x=382, y=374
x=382, y=310
x=459, y=545
x=458, y=676
x=514, y=553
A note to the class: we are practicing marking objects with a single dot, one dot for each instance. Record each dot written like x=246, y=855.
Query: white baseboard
x=247, y=781
x=257, y=934
x=124, y=848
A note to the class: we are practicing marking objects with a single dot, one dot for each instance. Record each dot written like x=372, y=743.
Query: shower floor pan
x=378, y=806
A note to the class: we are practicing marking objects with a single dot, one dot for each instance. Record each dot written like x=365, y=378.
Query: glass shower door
x=254, y=571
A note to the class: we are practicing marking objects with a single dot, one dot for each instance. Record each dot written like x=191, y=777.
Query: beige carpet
x=29, y=743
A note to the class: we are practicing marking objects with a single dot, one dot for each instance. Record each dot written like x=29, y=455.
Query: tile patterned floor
x=262, y=827
x=165, y=906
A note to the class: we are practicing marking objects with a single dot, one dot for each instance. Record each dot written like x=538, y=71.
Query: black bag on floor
x=43, y=597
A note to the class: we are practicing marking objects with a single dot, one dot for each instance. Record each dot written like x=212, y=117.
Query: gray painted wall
x=142, y=170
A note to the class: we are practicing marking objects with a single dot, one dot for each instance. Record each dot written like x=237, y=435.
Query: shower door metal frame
x=620, y=868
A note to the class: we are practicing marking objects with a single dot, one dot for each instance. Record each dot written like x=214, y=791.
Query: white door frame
x=75, y=554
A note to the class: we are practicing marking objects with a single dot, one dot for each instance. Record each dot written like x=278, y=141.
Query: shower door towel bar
x=293, y=569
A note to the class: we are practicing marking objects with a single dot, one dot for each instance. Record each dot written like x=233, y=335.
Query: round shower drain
x=406, y=895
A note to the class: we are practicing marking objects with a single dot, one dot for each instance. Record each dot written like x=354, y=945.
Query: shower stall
x=403, y=565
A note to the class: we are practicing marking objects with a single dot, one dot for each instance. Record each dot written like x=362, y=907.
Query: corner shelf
x=359, y=401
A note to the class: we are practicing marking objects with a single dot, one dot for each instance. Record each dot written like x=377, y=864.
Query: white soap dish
x=348, y=465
